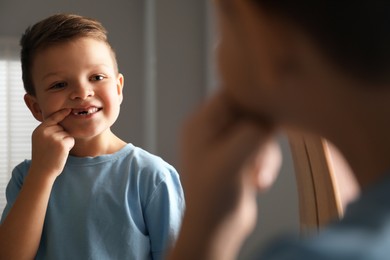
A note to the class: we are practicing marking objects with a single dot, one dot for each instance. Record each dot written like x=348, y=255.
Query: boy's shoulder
x=148, y=165
x=20, y=170
x=363, y=232
x=146, y=159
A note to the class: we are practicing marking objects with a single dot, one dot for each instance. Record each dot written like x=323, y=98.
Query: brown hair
x=355, y=35
x=58, y=28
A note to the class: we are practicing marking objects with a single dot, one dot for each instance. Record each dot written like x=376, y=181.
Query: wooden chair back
x=325, y=182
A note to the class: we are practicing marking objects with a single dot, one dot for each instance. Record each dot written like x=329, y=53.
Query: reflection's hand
x=226, y=157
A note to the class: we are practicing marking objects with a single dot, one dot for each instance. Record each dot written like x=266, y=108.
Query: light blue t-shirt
x=363, y=233
x=126, y=205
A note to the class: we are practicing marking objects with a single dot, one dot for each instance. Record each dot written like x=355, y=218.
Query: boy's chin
x=245, y=109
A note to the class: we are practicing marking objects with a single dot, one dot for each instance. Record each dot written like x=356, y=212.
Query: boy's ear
x=32, y=104
x=119, y=86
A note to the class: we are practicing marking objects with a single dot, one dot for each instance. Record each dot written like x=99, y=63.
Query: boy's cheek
x=234, y=71
x=228, y=65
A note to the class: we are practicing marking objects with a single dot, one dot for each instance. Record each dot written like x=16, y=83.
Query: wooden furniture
x=325, y=182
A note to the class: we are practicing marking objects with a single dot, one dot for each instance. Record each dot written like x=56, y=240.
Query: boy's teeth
x=85, y=111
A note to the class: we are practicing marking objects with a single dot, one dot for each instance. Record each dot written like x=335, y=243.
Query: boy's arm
x=164, y=213
x=21, y=230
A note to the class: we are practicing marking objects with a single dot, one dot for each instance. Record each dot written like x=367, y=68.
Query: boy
x=316, y=66
x=85, y=194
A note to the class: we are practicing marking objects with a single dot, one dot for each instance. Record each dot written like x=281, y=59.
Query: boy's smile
x=85, y=111
x=81, y=75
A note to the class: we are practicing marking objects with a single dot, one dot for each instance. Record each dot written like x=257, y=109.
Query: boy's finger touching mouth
x=58, y=116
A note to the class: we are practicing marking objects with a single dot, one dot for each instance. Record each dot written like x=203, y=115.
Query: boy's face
x=80, y=75
x=267, y=68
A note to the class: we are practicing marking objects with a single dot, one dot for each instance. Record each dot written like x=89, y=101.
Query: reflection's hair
x=353, y=34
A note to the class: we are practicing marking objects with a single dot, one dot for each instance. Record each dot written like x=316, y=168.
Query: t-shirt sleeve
x=14, y=186
x=164, y=213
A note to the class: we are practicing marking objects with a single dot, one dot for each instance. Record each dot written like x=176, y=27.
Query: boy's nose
x=82, y=91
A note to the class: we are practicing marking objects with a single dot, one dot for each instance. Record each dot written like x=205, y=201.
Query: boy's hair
x=58, y=28
x=355, y=35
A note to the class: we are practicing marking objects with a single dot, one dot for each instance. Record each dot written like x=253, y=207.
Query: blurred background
x=165, y=52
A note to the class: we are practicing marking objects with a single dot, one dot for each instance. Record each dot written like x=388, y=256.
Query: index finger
x=57, y=116
x=220, y=113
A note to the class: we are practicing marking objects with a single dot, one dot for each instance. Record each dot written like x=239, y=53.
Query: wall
x=166, y=63
x=180, y=67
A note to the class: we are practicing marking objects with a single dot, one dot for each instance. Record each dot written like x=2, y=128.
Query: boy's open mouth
x=85, y=111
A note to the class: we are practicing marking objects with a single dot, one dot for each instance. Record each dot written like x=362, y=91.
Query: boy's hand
x=51, y=145
x=226, y=157
x=22, y=228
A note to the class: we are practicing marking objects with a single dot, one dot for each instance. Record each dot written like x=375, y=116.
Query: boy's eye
x=97, y=77
x=58, y=85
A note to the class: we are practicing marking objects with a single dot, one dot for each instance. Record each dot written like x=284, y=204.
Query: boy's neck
x=107, y=143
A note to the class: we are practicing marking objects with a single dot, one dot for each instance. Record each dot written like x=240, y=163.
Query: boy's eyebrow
x=49, y=75
x=54, y=73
